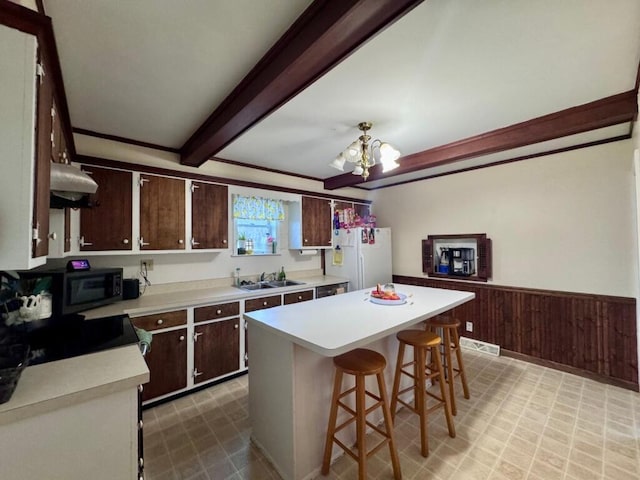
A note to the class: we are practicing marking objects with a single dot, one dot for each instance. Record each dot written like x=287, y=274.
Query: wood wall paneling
x=591, y=335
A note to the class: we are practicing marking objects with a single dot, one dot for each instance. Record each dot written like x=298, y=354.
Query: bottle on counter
x=282, y=275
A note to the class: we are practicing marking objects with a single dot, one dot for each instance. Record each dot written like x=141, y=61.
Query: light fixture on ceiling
x=365, y=155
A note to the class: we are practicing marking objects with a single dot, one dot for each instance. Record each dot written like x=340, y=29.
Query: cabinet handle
x=193, y=242
x=218, y=312
x=306, y=241
x=181, y=338
x=160, y=321
x=196, y=335
x=265, y=303
x=125, y=241
x=83, y=243
x=180, y=241
x=235, y=326
x=299, y=297
x=141, y=462
x=196, y=373
x=140, y=388
x=224, y=241
x=140, y=424
x=143, y=243
x=53, y=235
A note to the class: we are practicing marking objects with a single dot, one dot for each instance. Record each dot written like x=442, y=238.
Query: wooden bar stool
x=451, y=343
x=360, y=363
x=421, y=341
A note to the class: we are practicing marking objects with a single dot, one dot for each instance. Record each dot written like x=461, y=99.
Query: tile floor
x=523, y=421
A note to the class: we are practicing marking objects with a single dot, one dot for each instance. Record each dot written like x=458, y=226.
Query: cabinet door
x=107, y=225
x=45, y=140
x=316, y=222
x=209, y=215
x=161, y=213
x=297, y=297
x=216, y=349
x=167, y=362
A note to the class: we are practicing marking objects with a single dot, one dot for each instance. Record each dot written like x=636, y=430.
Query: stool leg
x=420, y=387
x=447, y=356
x=333, y=415
x=463, y=375
x=396, y=381
x=447, y=409
x=395, y=462
x=361, y=426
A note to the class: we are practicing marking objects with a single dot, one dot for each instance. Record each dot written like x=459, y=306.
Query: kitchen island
x=291, y=371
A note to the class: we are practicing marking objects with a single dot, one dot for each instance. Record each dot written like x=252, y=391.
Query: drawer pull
x=125, y=241
x=265, y=303
x=181, y=338
x=218, y=312
x=235, y=326
x=299, y=297
x=160, y=321
x=180, y=241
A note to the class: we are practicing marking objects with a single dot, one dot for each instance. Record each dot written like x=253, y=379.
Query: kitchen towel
x=309, y=252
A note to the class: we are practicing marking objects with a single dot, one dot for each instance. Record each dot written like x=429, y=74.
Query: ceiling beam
x=324, y=35
x=590, y=116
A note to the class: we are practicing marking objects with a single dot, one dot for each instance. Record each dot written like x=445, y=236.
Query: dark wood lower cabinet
x=216, y=350
x=590, y=335
x=167, y=362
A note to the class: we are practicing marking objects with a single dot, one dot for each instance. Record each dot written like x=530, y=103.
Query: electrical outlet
x=148, y=263
x=469, y=326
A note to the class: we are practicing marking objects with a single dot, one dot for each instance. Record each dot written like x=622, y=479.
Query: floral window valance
x=257, y=208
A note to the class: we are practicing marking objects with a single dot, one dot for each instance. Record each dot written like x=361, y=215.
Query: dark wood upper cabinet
x=162, y=213
x=460, y=256
x=43, y=123
x=316, y=222
x=216, y=349
x=107, y=225
x=209, y=215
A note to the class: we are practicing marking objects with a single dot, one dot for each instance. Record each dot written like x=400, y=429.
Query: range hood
x=70, y=186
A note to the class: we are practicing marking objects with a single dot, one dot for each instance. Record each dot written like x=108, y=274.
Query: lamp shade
x=388, y=153
x=338, y=162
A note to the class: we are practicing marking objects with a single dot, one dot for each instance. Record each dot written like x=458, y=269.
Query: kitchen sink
x=255, y=286
x=284, y=283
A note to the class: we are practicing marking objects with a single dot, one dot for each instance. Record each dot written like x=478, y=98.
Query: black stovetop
x=72, y=335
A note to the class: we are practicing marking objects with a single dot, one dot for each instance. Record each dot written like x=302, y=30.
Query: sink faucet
x=267, y=276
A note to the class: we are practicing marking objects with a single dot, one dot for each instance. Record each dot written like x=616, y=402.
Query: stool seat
x=418, y=338
x=361, y=362
x=451, y=344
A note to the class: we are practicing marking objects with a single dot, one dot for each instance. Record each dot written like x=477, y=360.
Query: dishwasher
x=334, y=289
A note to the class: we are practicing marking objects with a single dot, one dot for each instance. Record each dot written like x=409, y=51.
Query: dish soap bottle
x=282, y=275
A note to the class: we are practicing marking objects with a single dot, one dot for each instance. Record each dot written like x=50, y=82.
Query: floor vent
x=478, y=346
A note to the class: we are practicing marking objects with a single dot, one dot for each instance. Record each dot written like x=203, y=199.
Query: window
x=256, y=224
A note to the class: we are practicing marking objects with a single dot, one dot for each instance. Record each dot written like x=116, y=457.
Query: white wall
x=560, y=222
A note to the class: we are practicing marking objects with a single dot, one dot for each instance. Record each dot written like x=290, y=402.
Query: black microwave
x=77, y=291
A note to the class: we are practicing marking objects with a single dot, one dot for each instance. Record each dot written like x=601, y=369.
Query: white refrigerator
x=366, y=257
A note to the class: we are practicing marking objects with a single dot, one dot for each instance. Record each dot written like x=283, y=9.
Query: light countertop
x=341, y=323
x=50, y=386
x=185, y=296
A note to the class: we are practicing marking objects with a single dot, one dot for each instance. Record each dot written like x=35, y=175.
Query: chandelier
x=365, y=155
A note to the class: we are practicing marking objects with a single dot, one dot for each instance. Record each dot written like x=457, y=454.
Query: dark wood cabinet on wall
x=458, y=256
x=107, y=225
x=209, y=215
x=316, y=222
x=162, y=213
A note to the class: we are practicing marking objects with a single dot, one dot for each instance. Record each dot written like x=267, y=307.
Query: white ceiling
x=154, y=70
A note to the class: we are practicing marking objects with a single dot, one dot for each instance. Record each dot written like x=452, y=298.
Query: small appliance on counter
x=130, y=288
x=462, y=261
x=78, y=287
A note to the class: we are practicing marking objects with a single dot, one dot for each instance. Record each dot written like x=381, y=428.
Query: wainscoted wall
x=591, y=335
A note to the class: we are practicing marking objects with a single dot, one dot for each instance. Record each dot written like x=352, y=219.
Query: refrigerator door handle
x=360, y=272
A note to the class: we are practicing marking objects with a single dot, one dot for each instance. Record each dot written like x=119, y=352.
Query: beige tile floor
x=523, y=421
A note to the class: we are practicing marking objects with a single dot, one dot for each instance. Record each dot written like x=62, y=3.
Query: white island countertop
x=334, y=325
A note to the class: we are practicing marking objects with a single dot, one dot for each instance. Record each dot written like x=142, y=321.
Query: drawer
x=211, y=312
x=296, y=297
x=161, y=320
x=262, y=302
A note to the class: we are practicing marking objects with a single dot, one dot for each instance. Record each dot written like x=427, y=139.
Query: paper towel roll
x=308, y=252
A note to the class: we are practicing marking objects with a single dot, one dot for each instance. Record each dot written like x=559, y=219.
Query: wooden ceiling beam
x=324, y=35
x=590, y=116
